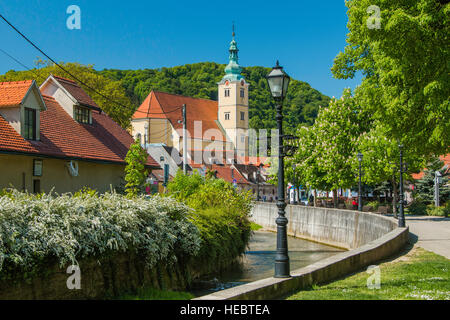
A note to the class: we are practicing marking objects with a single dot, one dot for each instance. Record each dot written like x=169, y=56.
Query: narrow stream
x=258, y=262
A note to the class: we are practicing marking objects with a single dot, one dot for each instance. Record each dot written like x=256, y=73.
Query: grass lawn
x=154, y=294
x=419, y=274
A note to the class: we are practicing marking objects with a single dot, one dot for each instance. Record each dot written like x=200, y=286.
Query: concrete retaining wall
x=342, y=228
x=370, y=238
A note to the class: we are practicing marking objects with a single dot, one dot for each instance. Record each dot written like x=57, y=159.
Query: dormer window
x=30, y=124
x=82, y=115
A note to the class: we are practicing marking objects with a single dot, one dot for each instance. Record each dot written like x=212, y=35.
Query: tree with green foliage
x=120, y=110
x=220, y=212
x=405, y=63
x=326, y=158
x=136, y=173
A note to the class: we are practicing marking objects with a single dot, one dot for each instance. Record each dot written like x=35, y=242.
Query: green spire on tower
x=233, y=69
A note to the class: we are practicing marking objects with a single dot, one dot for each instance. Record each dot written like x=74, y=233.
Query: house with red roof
x=57, y=138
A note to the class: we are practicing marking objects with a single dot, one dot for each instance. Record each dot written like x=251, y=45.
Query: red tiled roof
x=161, y=105
x=256, y=161
x=228, y=174
x=76, y=91
x=444, y=158
x=223, y=172
x=62, y=136
x=12, y=93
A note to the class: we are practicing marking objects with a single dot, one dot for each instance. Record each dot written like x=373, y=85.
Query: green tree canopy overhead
x=405, y=64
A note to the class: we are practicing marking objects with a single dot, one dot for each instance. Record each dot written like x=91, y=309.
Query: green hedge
x=221, y=212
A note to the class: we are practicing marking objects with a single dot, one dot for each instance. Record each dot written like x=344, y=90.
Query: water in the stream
x=258, y=261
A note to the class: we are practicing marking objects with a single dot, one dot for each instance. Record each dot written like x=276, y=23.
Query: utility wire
x=178, y=108
x=57, y=64
x=20, y=63
x=69, y=73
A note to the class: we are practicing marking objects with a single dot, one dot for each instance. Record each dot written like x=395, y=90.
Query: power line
x=57, y=64
x=178, y=108
x=69, y=73
x=41, y=77
x=29, y=69
x=20, y=63
x=165, y=133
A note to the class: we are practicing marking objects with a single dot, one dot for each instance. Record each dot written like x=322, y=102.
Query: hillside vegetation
x=131, y=87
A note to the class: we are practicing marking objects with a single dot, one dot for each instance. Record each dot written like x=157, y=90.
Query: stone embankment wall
x=368, y=237
x=106, y=278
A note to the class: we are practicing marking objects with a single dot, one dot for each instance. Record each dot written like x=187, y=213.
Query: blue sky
x=304, y=35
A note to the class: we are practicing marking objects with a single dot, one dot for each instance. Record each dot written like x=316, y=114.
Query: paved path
x=430, y=233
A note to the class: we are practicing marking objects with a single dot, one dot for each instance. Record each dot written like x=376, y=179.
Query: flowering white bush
x=69, y=228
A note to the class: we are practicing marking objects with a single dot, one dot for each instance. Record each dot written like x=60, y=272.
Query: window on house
x=242, y=93
x=227, y=92
x=82, y=115
x=242, y=138
x=242, y=115
x=30, y=124
x=227, y=116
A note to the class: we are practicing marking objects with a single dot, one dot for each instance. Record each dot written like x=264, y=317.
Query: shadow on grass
x=320, y=286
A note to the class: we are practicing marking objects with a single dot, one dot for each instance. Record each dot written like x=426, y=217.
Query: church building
x=217, y=131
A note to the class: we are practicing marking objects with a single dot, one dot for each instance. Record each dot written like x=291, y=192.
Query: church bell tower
x=233, y=102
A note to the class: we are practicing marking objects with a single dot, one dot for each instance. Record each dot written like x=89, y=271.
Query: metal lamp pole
x=278, y=82
x=295, y=184
x=360, y=157
x=257, y=183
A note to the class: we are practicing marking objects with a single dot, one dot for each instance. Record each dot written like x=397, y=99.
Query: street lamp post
x=278, y=82
x=401, y=214
x=258, y=172
x=295, y=183
x=360, y=157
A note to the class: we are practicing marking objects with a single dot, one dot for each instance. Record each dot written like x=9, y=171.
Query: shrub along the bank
x=36, y=229
x=221, y=213
x=202, y=223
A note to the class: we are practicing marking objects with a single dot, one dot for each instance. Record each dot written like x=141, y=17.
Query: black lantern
x=278, y=82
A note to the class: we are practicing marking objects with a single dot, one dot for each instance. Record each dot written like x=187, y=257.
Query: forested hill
x=130, y=87
x=200, y=80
